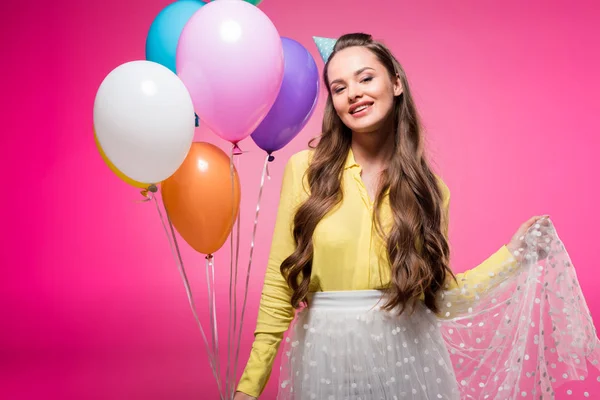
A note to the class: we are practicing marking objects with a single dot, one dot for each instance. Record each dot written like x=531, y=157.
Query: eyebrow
x=360, y=71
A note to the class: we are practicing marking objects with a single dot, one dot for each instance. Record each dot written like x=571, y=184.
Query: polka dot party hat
x=325, y=46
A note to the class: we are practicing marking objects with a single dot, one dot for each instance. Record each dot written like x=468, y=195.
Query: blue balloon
x=163, y=36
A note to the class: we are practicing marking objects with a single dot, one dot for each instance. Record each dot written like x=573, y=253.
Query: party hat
x=325, y=46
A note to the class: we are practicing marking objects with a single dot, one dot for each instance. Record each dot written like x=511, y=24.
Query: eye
x=366, y=79
x=338, y=89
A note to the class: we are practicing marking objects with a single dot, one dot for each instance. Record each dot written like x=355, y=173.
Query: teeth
x=359, y=109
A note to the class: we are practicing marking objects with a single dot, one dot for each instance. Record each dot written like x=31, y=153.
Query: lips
x=358, y=107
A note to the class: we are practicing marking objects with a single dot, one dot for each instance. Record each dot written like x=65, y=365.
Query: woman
x=361, y=243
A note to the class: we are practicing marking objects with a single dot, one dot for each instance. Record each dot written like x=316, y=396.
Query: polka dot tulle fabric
x=525, y=332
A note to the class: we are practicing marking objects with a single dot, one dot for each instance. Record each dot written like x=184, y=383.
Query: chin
x=364, y=130
x=368, y=124
x=365, y=127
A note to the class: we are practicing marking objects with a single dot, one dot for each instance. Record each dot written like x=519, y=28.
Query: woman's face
x=361, y=89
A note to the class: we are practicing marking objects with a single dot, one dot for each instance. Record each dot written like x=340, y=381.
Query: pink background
x=92, y=304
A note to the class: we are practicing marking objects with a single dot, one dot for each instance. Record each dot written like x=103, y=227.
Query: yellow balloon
x=114, y=169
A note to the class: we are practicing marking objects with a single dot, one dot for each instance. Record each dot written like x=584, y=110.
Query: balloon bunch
x=221, y=64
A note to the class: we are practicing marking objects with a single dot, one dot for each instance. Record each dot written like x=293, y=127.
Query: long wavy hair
x=417, y=248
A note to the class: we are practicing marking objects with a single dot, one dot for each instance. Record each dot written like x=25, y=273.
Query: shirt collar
x=350, y=161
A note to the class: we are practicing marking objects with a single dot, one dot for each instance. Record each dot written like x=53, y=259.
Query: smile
x=360, y=109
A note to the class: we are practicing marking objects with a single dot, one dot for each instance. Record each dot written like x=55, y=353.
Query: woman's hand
x=243, y=396
x=517, y=244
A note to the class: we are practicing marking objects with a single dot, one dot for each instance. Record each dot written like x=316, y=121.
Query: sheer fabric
x=345, y=347
x=526, y=333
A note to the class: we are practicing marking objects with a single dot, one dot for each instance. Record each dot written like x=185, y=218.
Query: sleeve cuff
x=257, y=372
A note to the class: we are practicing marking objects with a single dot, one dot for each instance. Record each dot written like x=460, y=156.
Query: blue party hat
x=325, y=46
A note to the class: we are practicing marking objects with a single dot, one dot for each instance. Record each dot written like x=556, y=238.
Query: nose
x=354, y=92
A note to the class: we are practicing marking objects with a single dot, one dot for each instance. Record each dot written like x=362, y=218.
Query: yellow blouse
x=348, y=255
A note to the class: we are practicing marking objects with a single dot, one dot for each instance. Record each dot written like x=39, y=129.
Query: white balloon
x=144, y=120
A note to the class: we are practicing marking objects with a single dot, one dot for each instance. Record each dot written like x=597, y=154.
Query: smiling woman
x=361, y=249
x=366, y=96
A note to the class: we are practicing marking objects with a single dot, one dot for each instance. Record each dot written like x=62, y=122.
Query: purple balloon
x=295, y=102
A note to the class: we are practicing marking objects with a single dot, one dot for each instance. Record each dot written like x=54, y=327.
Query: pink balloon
x=230, y=58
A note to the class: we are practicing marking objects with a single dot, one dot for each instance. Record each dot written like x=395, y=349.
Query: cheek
x=386, y=97
x=339, y=108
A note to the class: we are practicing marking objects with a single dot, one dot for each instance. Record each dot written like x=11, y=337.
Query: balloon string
x=265, y=173
x=212, y=274
x=237, y=261
x=228, y=383
x=212, y=357
x=231, y=373
x=269, y=159
x=210, y=284
x=179, y=261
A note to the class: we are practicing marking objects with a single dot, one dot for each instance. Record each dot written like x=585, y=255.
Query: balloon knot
x=271, y=158
x=148, y=195
x=236, y=150
x=209, y=256
x=196, y=120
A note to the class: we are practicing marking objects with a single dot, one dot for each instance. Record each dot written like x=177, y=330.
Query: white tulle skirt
x=345, y=347
x=523, y=333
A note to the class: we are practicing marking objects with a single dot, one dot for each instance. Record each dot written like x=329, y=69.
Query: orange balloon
x=200, y=198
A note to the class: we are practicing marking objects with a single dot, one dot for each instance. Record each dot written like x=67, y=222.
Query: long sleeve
x=275, y=311
x=458, y=296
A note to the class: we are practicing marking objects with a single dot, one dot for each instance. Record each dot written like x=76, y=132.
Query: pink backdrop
x=92, y=303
